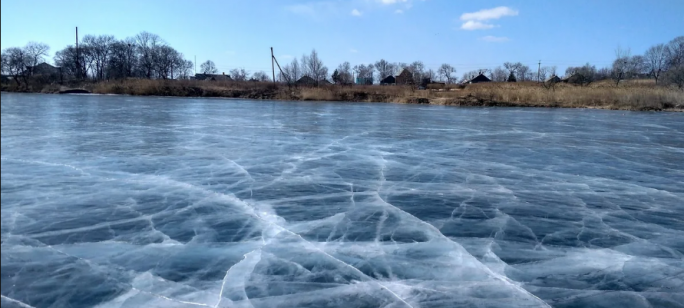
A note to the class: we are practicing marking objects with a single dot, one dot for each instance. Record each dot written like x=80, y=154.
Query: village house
x=43, y=69
x=553, y=79
x=405, y=77
x=306, y=81
x=213, y=77
x=479, y=78
x=389, y=80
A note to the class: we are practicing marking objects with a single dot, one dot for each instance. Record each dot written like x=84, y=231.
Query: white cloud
x=475, y=20
x=476, y=25
x=355, y=12
x=488, y=14
x=494, y=39
x=353, y=50
x=392, y=1
x=399, y=12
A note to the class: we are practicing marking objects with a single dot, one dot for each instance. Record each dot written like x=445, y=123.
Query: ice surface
x=113, y=201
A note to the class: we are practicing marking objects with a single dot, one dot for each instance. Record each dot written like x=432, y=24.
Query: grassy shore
x=630, y=95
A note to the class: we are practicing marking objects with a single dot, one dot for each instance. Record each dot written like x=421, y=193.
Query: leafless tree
x=239, y=74
x=675, y=76
x=36, y=53
x=99, y=48
x=146, y=43
x=260, y=76
x=512, y=67
x=293, y=71
x=344, y=73
x=446, y=70
x=656, y=60
x=17, y=60
x=621, y=63
x=208, y=67
x=313, y=67
x=417, y=68
x=544, y=73
x=499, y=74
x=365, y=72
x=431, y=74
x=185, y=68
x=384, y=68
x=5, y=63
x=675, y=51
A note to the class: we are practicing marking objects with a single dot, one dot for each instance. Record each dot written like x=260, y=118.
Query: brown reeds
x=629, y=95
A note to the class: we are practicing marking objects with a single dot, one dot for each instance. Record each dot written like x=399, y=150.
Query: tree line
x=146, y=55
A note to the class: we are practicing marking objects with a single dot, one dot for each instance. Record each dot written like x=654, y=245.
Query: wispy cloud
x=494, y=39
x=488, y=14
x=477, y=20
x=399, y=12
x=355, y=12
x=353, y=50
x=476, y=25
x=392, y=1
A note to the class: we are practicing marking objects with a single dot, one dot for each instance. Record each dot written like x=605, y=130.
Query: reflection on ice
x=165, y=202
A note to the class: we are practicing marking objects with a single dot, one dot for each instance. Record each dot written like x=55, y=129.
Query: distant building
x=553, y=79
x=324, y=81
x=213, y=77
x=43, y=69
x=479, y=78
x=388, y=80
x=306, y=81
x=405, y=77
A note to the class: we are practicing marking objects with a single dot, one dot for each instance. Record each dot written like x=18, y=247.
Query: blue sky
x=467, y=34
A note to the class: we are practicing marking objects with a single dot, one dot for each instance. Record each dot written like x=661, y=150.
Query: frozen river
x=115, y=201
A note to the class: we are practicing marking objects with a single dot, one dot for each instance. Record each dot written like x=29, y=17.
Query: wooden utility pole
x=272, y=65
x=539, y=72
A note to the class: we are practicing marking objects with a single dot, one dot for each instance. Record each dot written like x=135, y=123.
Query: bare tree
x=17, y=60
x=208, y=67
x=499, y=74
x=344, y=73
x=98, y=48
x=417, y=68
x=36, y=53
x=675, y=51
x=656, y=60
x=620, y=64
x=384, y=68
x=5, y=63
x=365, y=72
x=512, y=67
x=239, y=74
x=446, y=70
x=675, y=76
x=260, y=76
x=293, y=71
x=146, y=43
x=313, y=67
x=524, y=72
x=431, y=74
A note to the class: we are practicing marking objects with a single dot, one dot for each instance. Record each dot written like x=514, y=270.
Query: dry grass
x=630, y=95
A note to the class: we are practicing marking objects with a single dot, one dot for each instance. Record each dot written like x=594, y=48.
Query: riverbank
x=630, y=95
